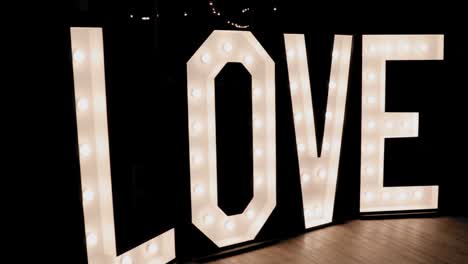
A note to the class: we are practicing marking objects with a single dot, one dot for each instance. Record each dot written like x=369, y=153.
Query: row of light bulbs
x=386, y=196
x=229, y=22
x=88, y=195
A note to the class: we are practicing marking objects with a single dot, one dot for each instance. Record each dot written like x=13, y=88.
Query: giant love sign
x=318, y=170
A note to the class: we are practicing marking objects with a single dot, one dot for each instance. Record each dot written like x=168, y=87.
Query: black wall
x=147, y=112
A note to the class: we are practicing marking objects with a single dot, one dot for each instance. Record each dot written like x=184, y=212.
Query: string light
x=216, y=12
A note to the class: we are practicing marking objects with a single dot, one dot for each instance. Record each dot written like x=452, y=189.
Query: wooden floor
x=399, y=241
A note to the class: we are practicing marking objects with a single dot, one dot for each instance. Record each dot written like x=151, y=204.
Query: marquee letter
x=318, y=174
x=91, y=115
x=222, y=47
x=378, y=124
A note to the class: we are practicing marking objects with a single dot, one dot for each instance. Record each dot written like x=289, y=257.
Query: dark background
x=145, y=64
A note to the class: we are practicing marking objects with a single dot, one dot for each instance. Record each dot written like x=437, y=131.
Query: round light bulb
x=404, y=124
x=370, y=148
x=332, y=85
x=85, y=150
x=258, y=123
x=369, y=196
x=79, y=56
x=250, y=213
x=229, y=225
x=197, y=159
x=404, y=46
x=290, y=53
x=371, y=49
x=370, y=171
x=83, y=104
x=321, y=173
x=325, y=146
x=293, y=86
x=227, y=46
x=91, y=239
x=301, y=147
x=418, y=195
x=389, y=124
x=371, y=76
x=199, y=189
x=258, y=152
x=206, y=58
x=317, y=211
x=305, y=177
x=88, y=195
x=248, y=59
x=371, y=99
x=152, y=248
x=371, y=124
x=335, y=54
x=127, y=260
x=258, y=181
x=308, y=213
x=208, y=219
x=402, y=196
x=257, y=92
x=423, y=47
x=196, y=126
x=298, y=116
x=328, y=115
x=196, y=93
x=386, y=196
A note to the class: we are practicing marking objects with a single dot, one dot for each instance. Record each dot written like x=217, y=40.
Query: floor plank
x=399, y=241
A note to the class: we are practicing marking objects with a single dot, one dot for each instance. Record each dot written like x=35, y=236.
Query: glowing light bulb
x=402, y=196
x=389, y=124
x=305, y=177
x=196, y=126
x=418, y=195
x=258, y=181
x=257, y=92
x=325, y=146
x=127, y=260
x=317, y=211
x=371, y=49
x=301, y=147
x=404, y=46
x=321, y=173
x=258, y=123
x=85, y=150
x=370, y=171
x=248, y=59
x=88, y=195
x=386, y=196
x=371, y=99
x=293, y=86
x=290, y=53
x=152, y=248
x=371, y=124
x=404, y=124
x=91, y=239
x=369, y=196
x=199, y=189
x=206, y=58
x=227, y=46
x=423, y=47
x=83, y=104
x=335, y=54
x=298, y=116
x=79, y=56
x=332, y=85
x=250, y=213
x=370, y=148
x=196, y=93
x=258, y=152
x=308, y=213
x=208, y=219
x=328, y=115
x=388, y=49
x=229, y=225
x=371, y=76
x=197, y=159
